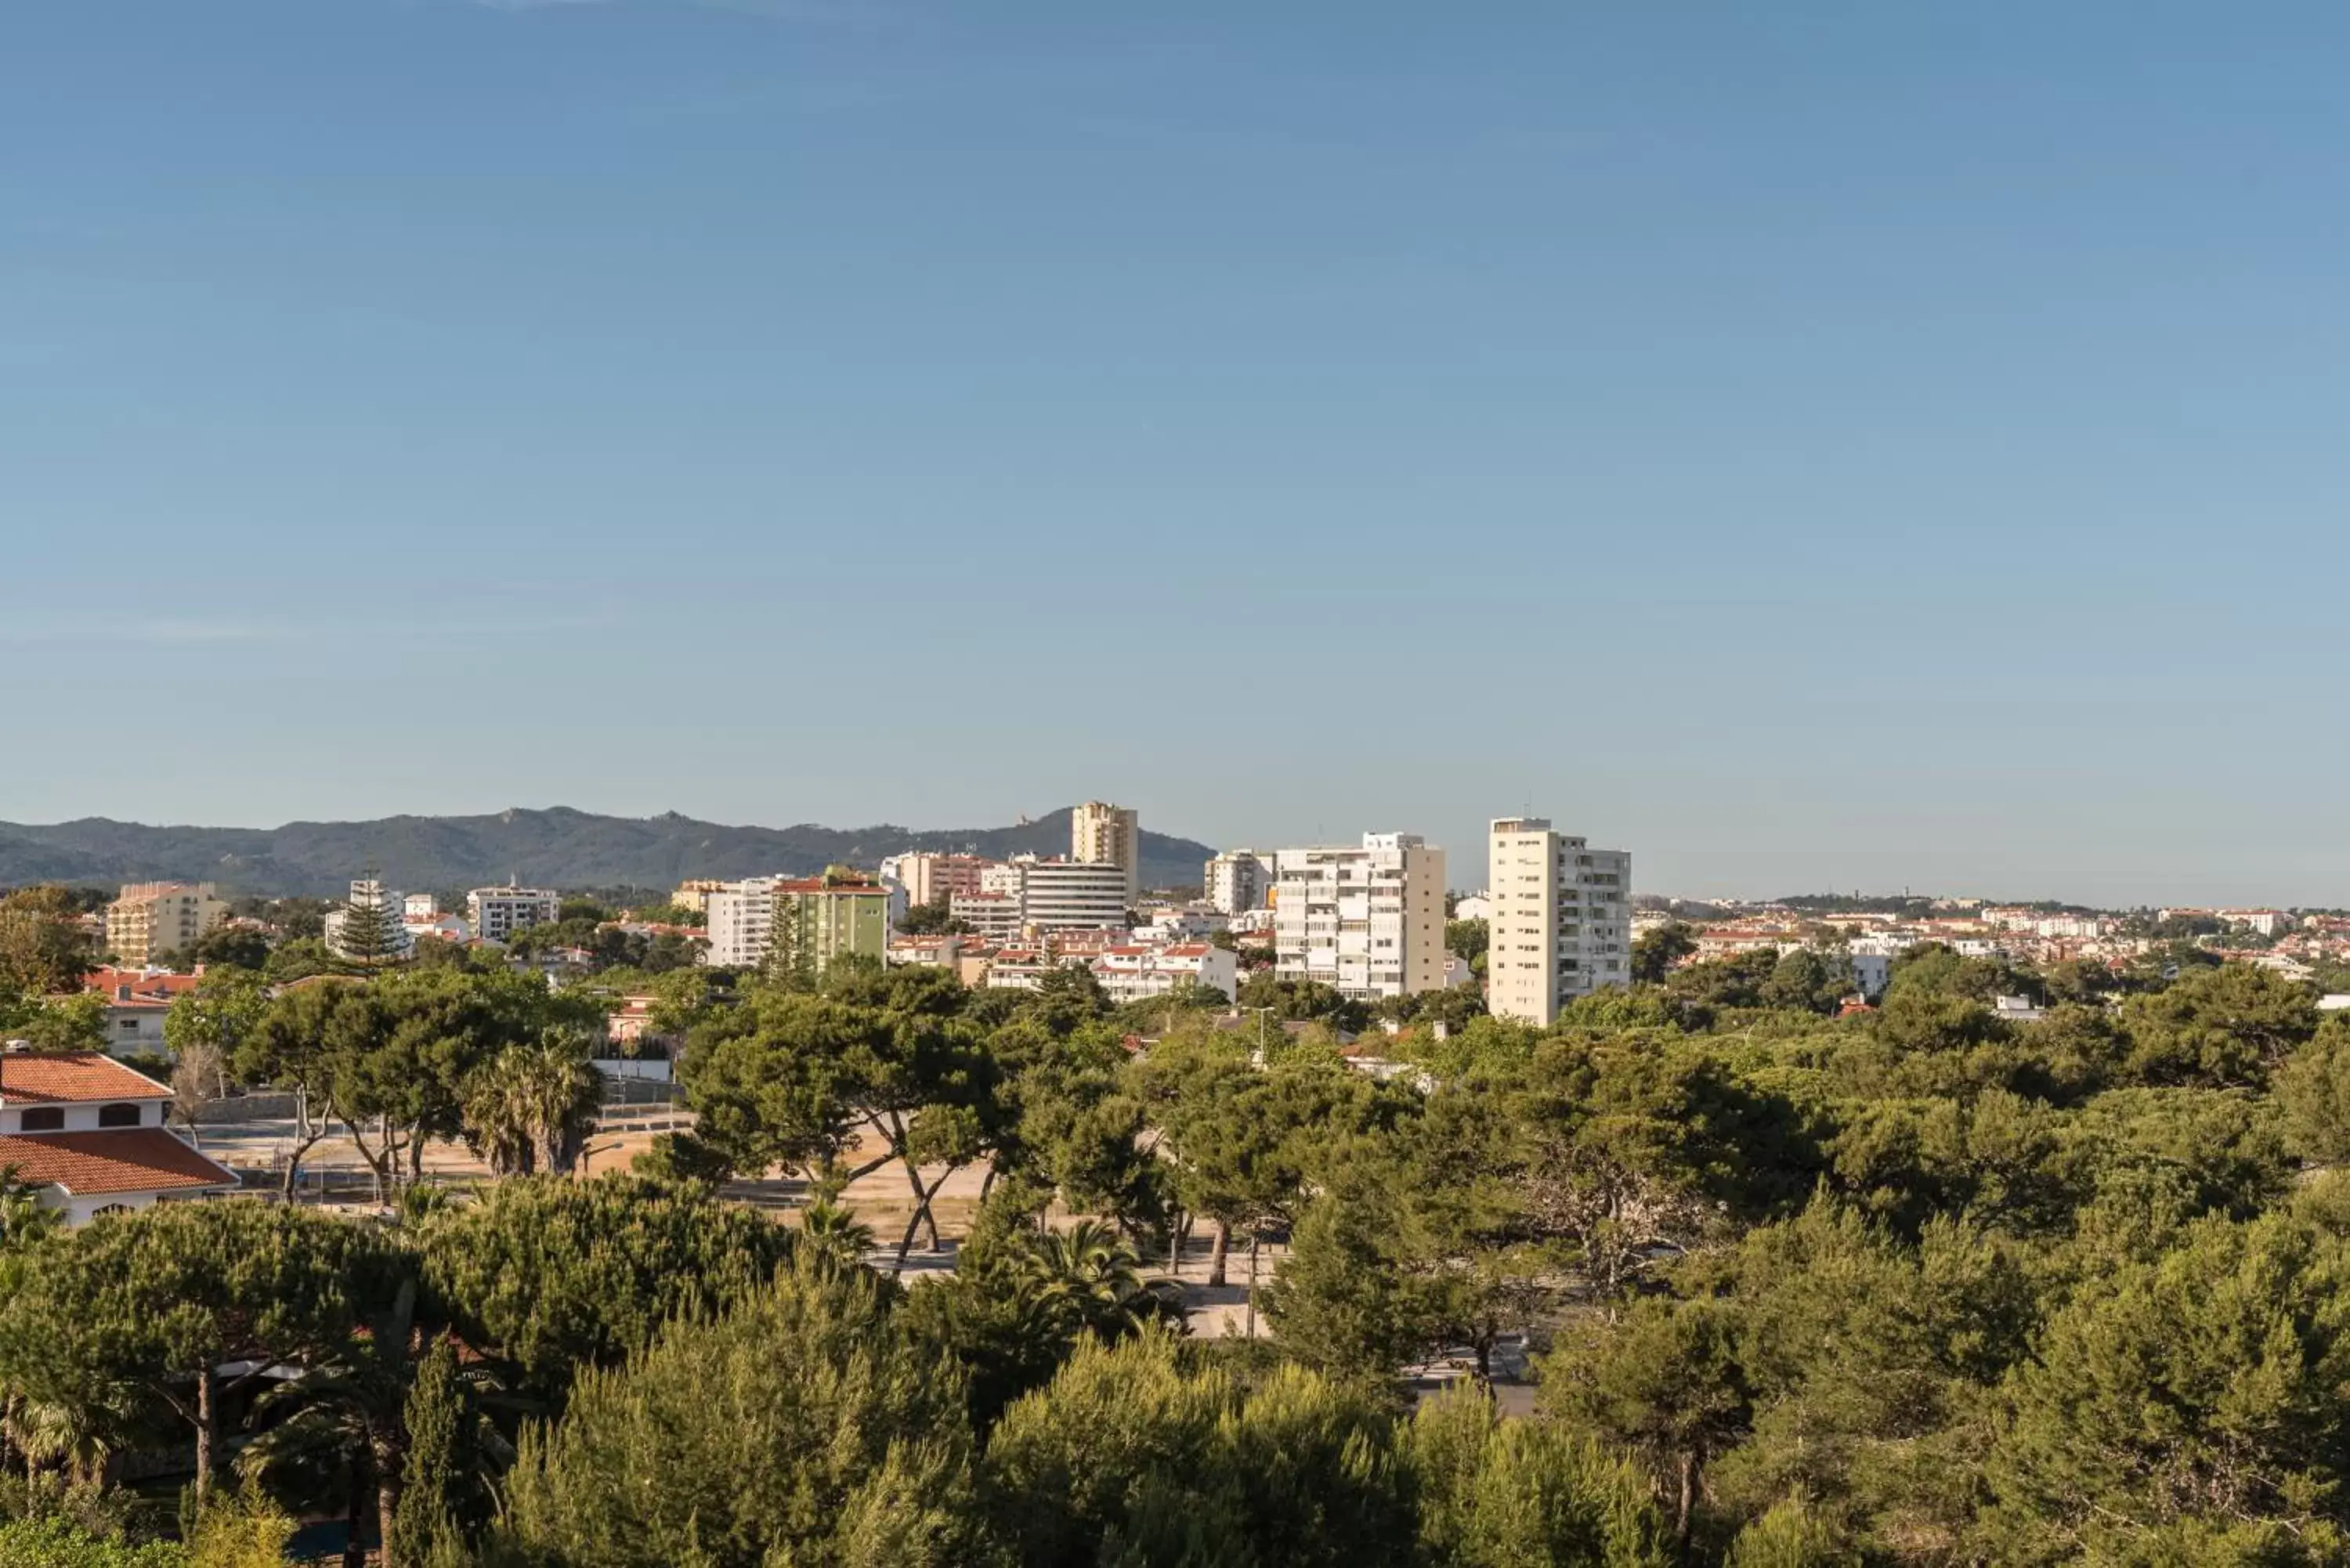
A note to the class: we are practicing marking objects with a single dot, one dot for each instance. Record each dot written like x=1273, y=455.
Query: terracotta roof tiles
x=119, y=1160
x=76, y=1078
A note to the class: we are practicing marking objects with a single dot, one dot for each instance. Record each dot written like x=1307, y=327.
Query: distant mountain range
x=556, y=847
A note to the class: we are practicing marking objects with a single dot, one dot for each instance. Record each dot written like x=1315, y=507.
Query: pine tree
x=791, y=948
x=438, y=1482
x=367, y=935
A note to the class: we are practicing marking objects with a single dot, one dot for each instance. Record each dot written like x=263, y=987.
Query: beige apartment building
x=1561, y=921
x=1101, y=834
x=152, y=918
x=1367, y=920
x=694, y=895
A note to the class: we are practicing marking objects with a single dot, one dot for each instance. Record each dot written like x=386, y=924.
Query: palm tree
x=346, y=1416
x=833, y=1233
x=23, y=1221
x=77, y=1436
x=532, y=1107
x=1090, y=1274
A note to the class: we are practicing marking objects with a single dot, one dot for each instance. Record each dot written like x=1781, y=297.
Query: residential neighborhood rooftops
x=78, y=1078
x=159, y=985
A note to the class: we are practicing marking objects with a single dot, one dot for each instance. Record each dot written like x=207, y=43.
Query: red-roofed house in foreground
x=89, y=1133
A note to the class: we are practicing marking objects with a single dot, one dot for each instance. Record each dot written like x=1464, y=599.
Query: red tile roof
x=120, y=1160
x=77, y=1077
x=144, y=986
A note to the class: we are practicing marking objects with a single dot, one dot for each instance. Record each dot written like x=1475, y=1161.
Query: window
x=121, y=1115
x=43, y=1118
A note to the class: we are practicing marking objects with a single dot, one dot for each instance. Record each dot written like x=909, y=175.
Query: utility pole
x=1260, y=1012
x=1251, y=1285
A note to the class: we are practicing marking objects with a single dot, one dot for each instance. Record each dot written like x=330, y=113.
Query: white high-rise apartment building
x=1560, y=925
x=497, y=913
x=1367, y=920
x=1237, y=882
x=740, y=922
x=1101, y=834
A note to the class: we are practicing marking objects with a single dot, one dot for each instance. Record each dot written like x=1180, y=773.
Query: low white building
x=937, y=952
x=1871, y=972
x=1474, y=907
x=90, y=1134
x=994, y=918
x=1141, y=972
x=1166, y=926
x=442, y=928
x=1020, y=969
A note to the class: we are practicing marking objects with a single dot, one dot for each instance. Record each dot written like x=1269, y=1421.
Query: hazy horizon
x=1459, y=854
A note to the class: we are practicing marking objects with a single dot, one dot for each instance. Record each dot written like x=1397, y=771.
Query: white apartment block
x=993, y=917
x=1367, y=920
x=1560, y=925
x=1101, y=834
x=1238, y=880
x=741, y=919
x=1073, y=895
x=497, y=913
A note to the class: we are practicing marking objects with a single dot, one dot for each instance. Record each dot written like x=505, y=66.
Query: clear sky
x=1809, y=445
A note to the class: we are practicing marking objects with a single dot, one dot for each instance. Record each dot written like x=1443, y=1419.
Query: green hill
x=556, y=847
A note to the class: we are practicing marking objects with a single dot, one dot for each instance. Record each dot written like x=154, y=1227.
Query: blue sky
x=1807, y=444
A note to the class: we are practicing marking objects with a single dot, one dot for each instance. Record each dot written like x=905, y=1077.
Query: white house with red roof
x=136, y=1001
x=90, y=1134
x=1138, y=972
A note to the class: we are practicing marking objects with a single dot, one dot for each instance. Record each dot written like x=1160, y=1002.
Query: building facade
x=1141, y=973
x=1237, y=882
x=816, y=919
x=496, y=913
x=150, y=919
x=740, y=917
x=1073, y=895
x=1561, y=922
x=994, y=918
x=929, y=877
x=819, y=921
x=1101, y=834
x=1367, y=920
x=693, y=895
